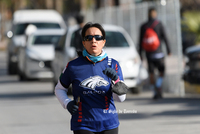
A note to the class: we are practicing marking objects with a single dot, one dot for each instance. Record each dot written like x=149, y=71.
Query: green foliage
x=191, y=23
x=9, y=3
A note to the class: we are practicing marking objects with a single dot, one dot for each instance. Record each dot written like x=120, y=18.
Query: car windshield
x=45, y=39
x=115, y=39
x=20, y=28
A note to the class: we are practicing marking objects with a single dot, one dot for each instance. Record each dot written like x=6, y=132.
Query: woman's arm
x=61, y=94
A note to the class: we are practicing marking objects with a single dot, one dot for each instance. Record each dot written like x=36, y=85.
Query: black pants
x=112, y=131
x=156, y=63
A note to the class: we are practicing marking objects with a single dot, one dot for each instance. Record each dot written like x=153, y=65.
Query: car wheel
x=54, y=85
x=12, y=69
x=22, y=77
x=54, y=82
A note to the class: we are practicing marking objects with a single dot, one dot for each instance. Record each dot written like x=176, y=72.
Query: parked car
x=119, y=46
x=36, y=55
x=192, y=67
x=42, y=19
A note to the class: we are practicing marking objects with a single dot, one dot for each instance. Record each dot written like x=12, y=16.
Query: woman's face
x=94, y=47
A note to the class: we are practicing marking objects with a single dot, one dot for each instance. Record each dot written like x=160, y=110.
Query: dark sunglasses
x=90, y=37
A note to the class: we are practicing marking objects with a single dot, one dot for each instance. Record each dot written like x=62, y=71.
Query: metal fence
x=132, y=16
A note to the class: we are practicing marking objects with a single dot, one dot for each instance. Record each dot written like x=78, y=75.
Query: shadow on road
x=190, y=105
x=132, y=116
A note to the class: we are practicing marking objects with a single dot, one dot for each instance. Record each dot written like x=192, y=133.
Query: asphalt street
x=29, y=107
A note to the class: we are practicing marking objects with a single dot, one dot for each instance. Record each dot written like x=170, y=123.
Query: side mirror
x=9, y=34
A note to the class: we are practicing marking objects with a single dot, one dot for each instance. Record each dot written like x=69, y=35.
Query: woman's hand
x=119, y=87
x=72, y=107
x=111, y=73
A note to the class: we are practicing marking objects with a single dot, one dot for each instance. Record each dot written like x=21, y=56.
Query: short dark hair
x=151, y=9
x=79, y=18
x=89, y=25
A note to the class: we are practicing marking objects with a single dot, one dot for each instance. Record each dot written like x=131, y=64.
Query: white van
x=42, y=19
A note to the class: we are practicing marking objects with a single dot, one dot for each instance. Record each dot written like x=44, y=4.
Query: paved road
x=30, y=108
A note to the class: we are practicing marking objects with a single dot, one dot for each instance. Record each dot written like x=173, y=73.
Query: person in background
x=78, y=39
x=153, y=29
x=96, y=81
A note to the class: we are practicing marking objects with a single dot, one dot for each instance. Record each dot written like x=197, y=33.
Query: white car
x=119, y=46
x=41, y=18
x=36, y=55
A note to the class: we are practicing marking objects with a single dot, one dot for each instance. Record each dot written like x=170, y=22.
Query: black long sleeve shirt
x=159, y=29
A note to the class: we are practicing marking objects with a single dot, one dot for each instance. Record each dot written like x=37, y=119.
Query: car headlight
x=41, y=64
x=129, y=63
x=31, y=54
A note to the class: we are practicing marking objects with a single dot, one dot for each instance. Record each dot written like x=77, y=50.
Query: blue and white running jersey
x=97, y=110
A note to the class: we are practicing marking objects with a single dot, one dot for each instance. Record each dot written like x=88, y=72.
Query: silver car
x=119, y=46
x=35, y=57
x=42, y=19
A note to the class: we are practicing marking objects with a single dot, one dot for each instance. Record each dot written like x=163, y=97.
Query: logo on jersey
x=93, y=82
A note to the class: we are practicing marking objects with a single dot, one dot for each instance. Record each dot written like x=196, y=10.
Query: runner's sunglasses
x=90, y=37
